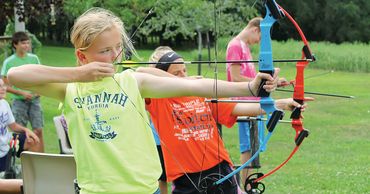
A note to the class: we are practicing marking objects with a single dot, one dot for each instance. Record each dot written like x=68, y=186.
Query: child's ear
x=13, y=44
x=81, y=56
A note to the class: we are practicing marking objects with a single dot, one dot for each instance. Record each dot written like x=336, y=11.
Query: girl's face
x=105, y=48
x=255, y=36
x=178, y=70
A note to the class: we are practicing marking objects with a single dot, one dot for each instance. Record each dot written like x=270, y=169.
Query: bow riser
x=298, y=94
x=266, y=64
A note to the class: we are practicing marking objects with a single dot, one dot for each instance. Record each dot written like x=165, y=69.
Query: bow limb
x=298, y=94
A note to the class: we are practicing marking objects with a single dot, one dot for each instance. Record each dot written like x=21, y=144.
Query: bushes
x=349, y=57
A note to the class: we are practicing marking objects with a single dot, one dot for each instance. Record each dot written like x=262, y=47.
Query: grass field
x=335, y=158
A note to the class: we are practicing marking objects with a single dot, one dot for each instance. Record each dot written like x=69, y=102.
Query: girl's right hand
x=95, y=71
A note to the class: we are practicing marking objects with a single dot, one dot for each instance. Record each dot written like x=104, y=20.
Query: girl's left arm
x=163, y=87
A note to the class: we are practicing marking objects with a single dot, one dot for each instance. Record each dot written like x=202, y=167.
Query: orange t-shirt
x=188, y=133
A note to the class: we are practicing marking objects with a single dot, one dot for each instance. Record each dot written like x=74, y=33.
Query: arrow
x=214, y=62
x=319, y=94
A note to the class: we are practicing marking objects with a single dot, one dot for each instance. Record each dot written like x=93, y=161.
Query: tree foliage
x=178, y=20
x=331, y=20
x=174, y=18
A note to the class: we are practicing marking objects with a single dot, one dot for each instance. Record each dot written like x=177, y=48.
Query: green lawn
x=335, y=158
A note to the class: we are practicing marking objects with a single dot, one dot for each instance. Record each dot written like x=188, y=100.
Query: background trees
x=332, y=20
x=179, y=22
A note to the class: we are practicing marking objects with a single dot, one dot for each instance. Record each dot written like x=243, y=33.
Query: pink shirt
x=238, y=50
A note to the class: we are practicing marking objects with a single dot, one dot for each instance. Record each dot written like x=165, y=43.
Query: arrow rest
x=252, y=187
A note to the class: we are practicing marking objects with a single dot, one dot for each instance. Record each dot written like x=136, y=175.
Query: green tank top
x=112, y=143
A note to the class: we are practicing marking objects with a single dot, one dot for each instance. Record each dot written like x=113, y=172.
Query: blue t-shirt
x=6, y=118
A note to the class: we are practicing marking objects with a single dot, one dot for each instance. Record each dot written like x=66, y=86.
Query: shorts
x=184, y=185
x=24, y=111
x=247, y=142
x=163, y=176
x=5, y=161
x=244, y=136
